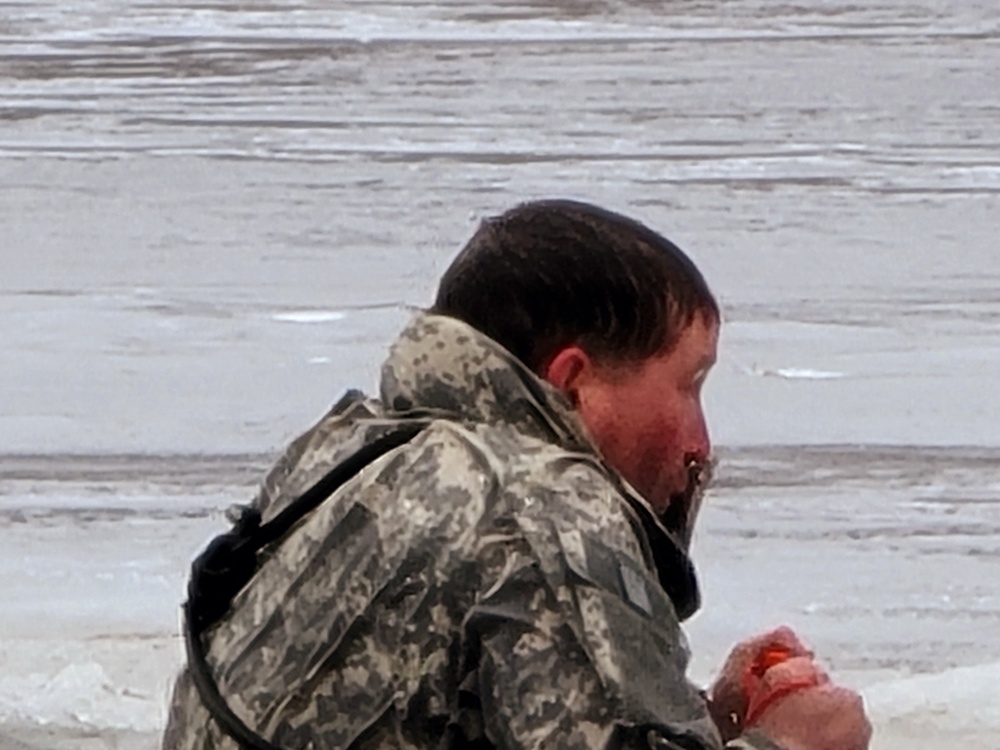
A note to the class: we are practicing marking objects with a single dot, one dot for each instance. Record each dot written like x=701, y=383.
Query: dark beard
x=682, y=512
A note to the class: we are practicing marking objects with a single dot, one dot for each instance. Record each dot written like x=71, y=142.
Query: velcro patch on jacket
x=635, y=587
x=600, y=566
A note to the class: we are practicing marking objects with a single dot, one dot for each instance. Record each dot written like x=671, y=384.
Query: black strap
x=231, y=560
x=201, y=674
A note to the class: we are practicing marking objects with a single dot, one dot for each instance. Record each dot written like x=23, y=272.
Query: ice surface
x=955, y=707
x=961, y=698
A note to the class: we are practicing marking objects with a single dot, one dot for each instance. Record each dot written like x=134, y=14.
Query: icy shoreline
x=101, y=701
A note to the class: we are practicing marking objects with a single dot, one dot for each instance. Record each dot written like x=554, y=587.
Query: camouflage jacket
x=490, y=584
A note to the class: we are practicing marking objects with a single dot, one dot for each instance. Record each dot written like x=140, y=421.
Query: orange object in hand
x=771, y=657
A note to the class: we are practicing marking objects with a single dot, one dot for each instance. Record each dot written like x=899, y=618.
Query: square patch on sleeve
x=635, y=587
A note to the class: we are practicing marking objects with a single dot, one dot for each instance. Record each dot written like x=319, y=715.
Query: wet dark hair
x=552, y=273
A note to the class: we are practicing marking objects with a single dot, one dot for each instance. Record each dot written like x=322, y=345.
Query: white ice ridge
x=114, y=683
x=78, y=694
x=310, y=316
x=964, y=698
x=793, y=373
x=960, y=701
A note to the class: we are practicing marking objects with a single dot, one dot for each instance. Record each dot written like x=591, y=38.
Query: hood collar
x=440, y=364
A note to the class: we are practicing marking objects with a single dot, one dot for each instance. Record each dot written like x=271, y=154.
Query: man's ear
x=568, y=370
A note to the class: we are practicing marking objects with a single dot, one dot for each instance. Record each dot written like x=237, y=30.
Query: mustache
x=682, y=512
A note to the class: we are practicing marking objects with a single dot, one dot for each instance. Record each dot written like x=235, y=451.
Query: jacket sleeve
x=576, y=646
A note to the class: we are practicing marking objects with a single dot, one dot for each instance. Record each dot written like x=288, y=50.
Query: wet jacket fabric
x=490, y=584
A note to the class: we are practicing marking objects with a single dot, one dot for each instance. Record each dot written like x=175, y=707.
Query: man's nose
x=699, y=447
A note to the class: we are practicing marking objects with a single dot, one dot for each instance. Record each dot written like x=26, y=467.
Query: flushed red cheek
x=650, y=461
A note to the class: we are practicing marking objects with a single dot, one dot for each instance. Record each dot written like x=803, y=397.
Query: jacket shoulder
x=574, y=492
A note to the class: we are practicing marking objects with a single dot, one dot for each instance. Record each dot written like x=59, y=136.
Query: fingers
x=780, y=680
x=781, y=639
x=825, y=717
x=761, y=652
x=796, y=670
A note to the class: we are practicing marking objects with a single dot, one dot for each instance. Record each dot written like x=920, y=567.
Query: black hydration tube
x=231, y=560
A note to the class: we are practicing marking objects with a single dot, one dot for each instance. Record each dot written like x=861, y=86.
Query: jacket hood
x=441, y=364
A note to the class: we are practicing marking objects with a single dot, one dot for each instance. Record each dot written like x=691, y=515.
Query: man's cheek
x=660, y=479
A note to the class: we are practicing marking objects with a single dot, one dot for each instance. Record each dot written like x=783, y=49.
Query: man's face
x=647, y=420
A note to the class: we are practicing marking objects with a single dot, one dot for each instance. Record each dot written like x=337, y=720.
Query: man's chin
x=682, y=509
x=668, y=506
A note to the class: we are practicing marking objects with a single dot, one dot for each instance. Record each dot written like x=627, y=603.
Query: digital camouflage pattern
x=490, y=584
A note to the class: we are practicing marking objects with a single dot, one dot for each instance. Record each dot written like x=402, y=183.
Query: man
x=516, y=573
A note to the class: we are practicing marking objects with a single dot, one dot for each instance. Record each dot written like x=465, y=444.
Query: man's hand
x=729, y=697
x=771, y=684
x=823, y=717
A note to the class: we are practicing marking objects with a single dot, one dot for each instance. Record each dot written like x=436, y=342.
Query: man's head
x=610, y=313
